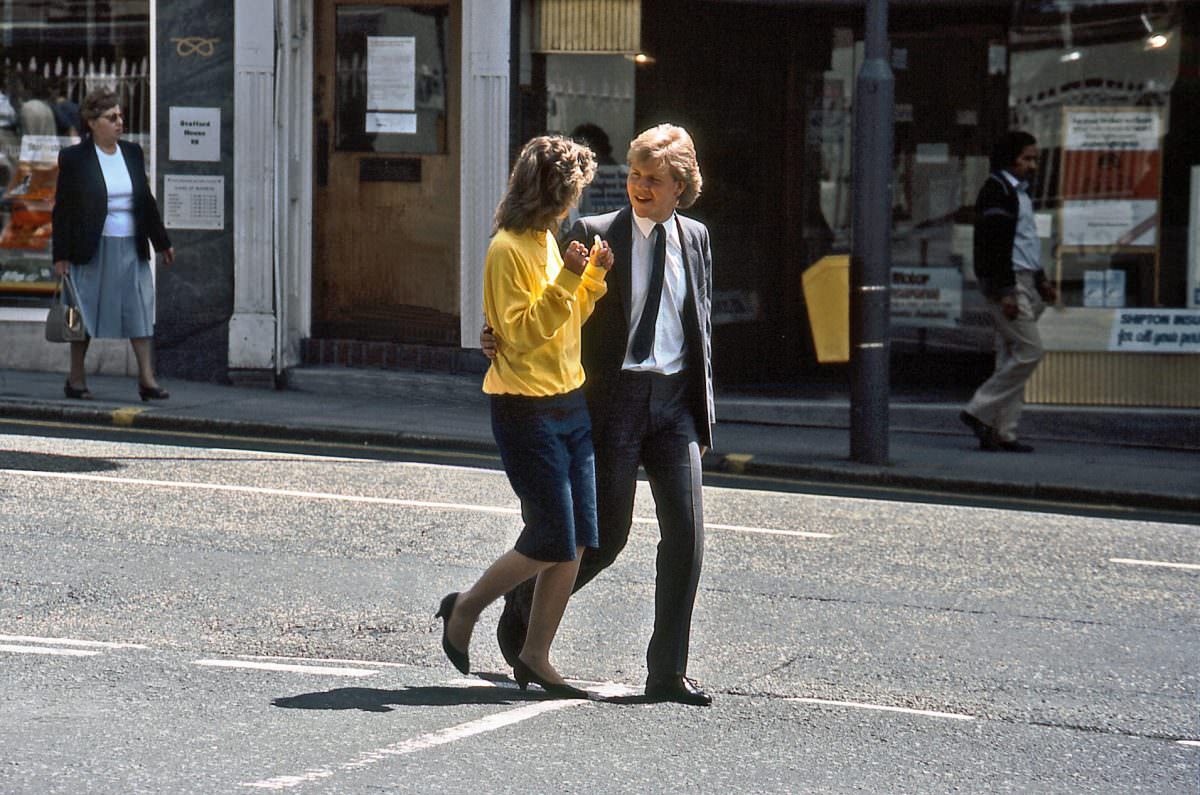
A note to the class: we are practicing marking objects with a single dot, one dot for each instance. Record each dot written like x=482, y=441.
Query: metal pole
x=870, y=261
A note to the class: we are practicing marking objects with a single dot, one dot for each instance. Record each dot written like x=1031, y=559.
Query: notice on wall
x=402, y=123
x=1156, y=331
x=195, y=134
x=191, y=202
x=926, y=297
x=1110, y=176
x=391, y=73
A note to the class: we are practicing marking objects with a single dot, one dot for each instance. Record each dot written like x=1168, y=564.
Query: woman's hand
x=168, y=256
x=601, y=254
x=487, y=341
x=62, y=267
x=575, y=257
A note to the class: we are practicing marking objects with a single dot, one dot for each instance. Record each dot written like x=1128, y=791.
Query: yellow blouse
x=536, y=308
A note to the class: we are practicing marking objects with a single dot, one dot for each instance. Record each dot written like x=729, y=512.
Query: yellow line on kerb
x=124, y=417
x=736, y=462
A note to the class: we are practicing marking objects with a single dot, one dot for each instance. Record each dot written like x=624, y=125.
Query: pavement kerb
x=847, y=472
x=259, y=430
x=840, y=472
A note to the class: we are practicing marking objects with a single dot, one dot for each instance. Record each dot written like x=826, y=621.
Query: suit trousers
x=999, y=400
x=648, y=423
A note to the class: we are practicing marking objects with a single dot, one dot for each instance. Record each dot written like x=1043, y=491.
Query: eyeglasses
x=112, y=117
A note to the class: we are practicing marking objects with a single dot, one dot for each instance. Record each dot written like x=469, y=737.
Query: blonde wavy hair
x=673, y=145
x=547, y=179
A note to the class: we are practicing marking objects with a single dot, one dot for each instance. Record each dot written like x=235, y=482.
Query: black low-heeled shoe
x=75, y=393
x=460, y=659
x=524, y=675
x=147, y=393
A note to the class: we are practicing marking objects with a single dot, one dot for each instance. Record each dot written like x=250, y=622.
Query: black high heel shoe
x=147, y=393
x=76, y=393
x=460, y=659
x=524, y=675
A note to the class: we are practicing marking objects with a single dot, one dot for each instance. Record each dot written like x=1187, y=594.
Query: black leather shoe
x=76, y=393
x=983, y=432
x=510, y=633
x=148, y=393
x=1013, y=446
x=678, y=689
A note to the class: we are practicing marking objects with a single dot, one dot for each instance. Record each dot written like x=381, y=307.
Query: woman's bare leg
x=143, y=353
x=550, y=595
x=509, y=570
x=77, y=377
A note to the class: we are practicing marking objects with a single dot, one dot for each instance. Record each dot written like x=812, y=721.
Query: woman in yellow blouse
x=536, y=300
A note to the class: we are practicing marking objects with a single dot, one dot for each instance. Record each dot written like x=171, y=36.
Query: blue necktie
x=643, y=337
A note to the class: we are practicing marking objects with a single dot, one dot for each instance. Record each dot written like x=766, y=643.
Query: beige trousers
x=999, y=400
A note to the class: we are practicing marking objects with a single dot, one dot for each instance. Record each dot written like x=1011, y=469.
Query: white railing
x=129, y=78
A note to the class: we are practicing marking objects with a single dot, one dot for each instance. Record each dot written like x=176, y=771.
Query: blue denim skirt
x=546, y=446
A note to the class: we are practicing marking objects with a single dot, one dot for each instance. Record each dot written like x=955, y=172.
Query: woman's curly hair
x=547, y=179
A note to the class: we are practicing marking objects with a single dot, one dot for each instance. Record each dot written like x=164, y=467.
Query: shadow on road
x=373, y=700
x=49, y=462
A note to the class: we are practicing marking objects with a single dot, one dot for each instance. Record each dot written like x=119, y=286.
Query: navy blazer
x=605, y=335
x=81, y=204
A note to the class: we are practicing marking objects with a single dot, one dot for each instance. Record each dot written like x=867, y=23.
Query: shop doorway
x=386, y=171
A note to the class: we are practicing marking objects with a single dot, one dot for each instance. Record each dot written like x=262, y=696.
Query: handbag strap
x=70, y=283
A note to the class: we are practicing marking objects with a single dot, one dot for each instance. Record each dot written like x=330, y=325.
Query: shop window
x=53, y=55
x=392, y=75
x=1094, y=84
x=944, y=123
x=591, y=98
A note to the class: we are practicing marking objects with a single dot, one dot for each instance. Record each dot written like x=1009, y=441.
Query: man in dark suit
x=646, y=351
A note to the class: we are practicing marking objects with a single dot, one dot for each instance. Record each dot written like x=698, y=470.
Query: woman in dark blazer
x=104, y=221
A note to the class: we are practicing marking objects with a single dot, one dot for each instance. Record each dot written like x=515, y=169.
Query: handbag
x=64, y=322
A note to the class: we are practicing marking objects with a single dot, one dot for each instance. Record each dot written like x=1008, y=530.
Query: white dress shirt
x=666, y=356
x=1027, y=247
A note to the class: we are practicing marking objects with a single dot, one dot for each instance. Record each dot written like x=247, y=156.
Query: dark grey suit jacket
x=606, y=333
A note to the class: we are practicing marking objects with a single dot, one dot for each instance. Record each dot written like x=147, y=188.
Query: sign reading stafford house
x=196, y=134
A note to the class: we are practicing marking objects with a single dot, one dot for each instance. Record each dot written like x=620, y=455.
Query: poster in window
x=1110, y=177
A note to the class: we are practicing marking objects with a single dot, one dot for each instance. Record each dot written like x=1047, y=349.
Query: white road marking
x=761, y=530
x=1192, y=743
x=421, y=743
x=880, y=707
x=601, y=689
x=69, y=642
x=1159, y=563
x=44, y=650
x=321, y=670
x=322, y=660
x=321, y=495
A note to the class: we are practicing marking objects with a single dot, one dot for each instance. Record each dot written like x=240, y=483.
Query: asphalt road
x=210, y=619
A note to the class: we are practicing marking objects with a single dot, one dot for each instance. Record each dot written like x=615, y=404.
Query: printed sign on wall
x=195, y=134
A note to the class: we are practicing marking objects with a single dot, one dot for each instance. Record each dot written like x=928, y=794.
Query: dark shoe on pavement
x=510, y=632
x=678, y=689
x=1013, y=446
x=983, y=432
